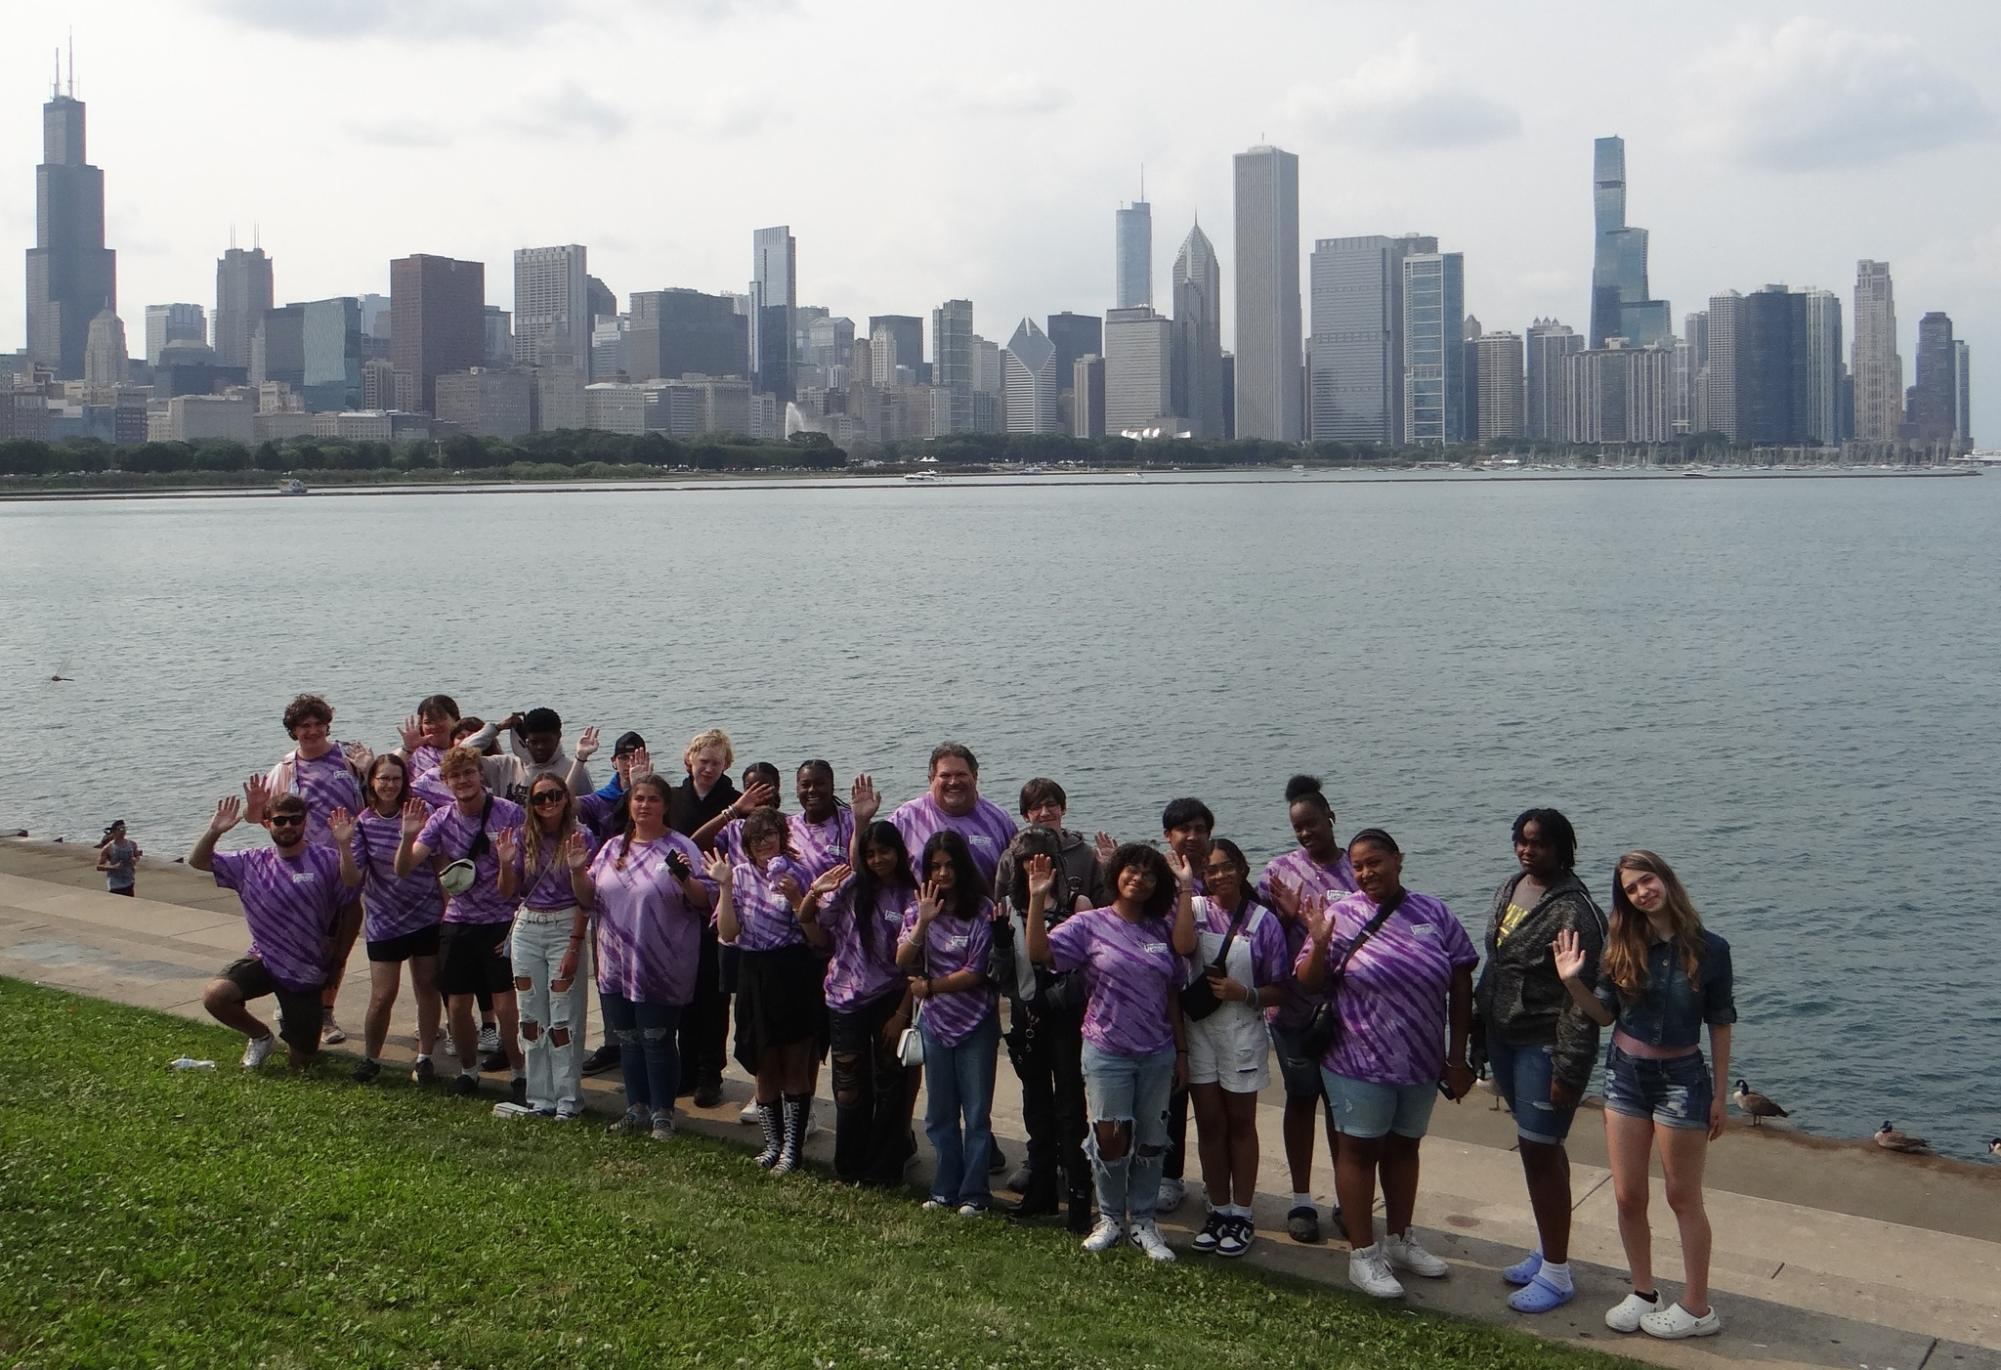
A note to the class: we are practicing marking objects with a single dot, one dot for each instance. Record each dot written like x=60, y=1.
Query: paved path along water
x=1827, y=1253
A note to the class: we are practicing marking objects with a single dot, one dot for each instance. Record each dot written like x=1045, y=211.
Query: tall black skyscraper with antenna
x=72, y=275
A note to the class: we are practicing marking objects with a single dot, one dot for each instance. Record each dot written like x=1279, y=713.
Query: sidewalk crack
x=1605, y=1180
x=1928, y=1354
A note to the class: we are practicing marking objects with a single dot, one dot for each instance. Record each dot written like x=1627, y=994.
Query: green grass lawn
x=154, y=1217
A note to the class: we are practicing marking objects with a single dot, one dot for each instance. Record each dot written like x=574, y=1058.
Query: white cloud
x=488, y=20
x=1809, y=95
x=1403, y=99
x=1010, y=93
x=570, y=110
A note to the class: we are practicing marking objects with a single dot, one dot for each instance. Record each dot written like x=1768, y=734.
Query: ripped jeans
x=647, y=1051
x=555, y=1068
x=1133, y=1090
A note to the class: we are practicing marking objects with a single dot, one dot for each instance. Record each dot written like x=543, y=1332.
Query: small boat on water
x=922, y=478
x=291, y=487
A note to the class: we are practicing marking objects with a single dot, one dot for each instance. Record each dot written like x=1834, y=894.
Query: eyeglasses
x=286, y=820
x=547, y=797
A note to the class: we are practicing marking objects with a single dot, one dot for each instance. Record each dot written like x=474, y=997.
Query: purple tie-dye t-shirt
x=451, y=833
x=1261, y=934
x=858, y=975
x=953, y=944
x=820, y=847
x=765, y=921
x=393, y=906
x=326, y=783
x=1128, y=970
x=1301, y=872
x=1392, y=998
x=291, y=907
x=547, y=885
x=648, y=938
x=987, y=830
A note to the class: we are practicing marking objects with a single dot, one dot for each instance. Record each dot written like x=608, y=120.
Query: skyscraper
x=1620, y=307
x=1269, y=377
x=1031, y=382
x=552, y=309
x=1434, y=307
x=1935, y=414
x=72, y=275
x=167, y=323
x=437, y=323
x=774, y=300
x=1139, y=370
x=1877, y=370
x=1962, y=391
x=1132, y=255
x=1074, y=336
x=243, y=295
x=680, y=332
x=104, y=350
x=1824, y=368
x=1197, y=379
x=1356, y=380
x=1549, y=343
x=908, y=332
x=953, y=362
x=1501, y=395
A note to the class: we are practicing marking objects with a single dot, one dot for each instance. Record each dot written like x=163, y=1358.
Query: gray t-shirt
x=120, y=860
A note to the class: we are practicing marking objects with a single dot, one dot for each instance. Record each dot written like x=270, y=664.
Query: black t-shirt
x=687, y=811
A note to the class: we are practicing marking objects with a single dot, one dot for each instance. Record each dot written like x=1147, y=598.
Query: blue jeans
x=1674, y=1093
x=1523, y=1076
x=959, y=1085
x=1366, y=1110
x=647, y=1053
x=1131, y=1090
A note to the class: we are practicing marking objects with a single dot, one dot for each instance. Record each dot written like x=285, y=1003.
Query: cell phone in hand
x=678, y=864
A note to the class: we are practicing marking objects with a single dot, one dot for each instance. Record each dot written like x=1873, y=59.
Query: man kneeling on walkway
x=292, y=897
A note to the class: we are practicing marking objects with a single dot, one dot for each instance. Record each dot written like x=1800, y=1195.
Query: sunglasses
x=286, y=820
x=547, y=797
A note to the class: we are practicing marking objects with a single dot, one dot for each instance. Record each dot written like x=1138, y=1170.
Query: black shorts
x=299, y=1010
x=422, y=942
x=473, y=957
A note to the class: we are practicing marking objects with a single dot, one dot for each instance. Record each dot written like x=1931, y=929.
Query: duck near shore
x=1756, y=1106
x=1890, y=1139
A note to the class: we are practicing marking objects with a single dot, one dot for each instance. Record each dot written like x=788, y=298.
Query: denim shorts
x=1300, y=1072
x=1674, y=1093
x=1367, y=1110
x=1523, y=1075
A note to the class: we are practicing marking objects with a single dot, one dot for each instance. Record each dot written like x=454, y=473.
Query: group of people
x=1133, y=983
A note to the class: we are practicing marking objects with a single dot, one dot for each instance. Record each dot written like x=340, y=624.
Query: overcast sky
x=924, y=150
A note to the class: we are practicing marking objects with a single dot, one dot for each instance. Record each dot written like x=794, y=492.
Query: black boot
x=1078, y=1215
x=798, y=1114
x=1038, y=1197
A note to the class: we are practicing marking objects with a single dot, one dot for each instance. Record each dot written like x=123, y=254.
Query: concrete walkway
x=1826, y=1253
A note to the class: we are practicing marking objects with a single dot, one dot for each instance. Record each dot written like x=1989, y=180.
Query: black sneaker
x=465, y=1085
x=1238, y=1234
x=1211, y=1234
x=603, y=1059
x=493, y=1060
x=709, y=1094
x=367, y=1071
x=517, y=1090
x=423, y=1072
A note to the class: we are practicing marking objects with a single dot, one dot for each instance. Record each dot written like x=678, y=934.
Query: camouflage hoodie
x=1519, y=998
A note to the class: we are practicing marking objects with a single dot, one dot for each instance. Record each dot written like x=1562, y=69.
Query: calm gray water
x=1786, y=687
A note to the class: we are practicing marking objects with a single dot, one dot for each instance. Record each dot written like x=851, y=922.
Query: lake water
x=1787, y=687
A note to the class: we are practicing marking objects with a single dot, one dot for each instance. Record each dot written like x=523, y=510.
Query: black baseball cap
x=627, y=742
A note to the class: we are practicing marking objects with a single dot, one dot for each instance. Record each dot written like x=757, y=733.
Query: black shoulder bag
x=1198, y=1000
x=1323, y=1029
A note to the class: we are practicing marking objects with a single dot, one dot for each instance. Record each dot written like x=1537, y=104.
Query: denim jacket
x=1669, y=1011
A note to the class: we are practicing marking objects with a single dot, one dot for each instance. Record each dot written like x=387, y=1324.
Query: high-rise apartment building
x=1132, y=256
x=72, y=275
x=243, y=295
x=1620, y=394
x=1471, y=331
x=1620, y=307
x=1197, y=379
x=681, y=332
x=1962, y=392
x=1139, y=370
x=1549, y=344
x=774, y=300
x=1030, y=383
x=1502, y=399
x=552, y=307
x=1825, y=369
x=1694, y=374
x=437, y=323
x=1876, y=369
x=1935, y=412
x=1434, y=309
x=989, y=412
x=167, y=323
x=952, y=364
x=908, y=332
x=1268, y=362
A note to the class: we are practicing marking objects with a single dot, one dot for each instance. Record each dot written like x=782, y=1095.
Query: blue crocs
x=1523, y=1270
x=1540, y=1296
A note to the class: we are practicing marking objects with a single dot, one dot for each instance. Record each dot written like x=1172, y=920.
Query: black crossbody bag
x=1323, y=1029
x=1199, y=1000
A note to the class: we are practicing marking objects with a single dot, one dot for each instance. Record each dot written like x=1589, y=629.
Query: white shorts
x=1230, y=1048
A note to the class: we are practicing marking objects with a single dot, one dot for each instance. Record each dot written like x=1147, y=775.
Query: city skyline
x=1404, y=135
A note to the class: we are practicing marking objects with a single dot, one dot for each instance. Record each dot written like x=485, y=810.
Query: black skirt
x=780, y=999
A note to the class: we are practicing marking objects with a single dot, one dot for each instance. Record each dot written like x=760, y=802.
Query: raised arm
x=1312, y=972
x=817, y=895
x=910, y=946
x=228, y=813
x=341, y=824
x=1041, y=881
x=720, y=871
x=507, y=846
x=864, y=804
x=1570, y=964
x=1184, y=938
x=577, y=853
x=409, y=851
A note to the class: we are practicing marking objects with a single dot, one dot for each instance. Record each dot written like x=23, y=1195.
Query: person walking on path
x=1663, y=976
x=1541, y=1046
x=118, y=857
x=1401, y=981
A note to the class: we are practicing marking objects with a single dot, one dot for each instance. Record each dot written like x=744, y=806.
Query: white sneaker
x=1370, y=1273
x=1675, y=1322
x=489, y=1039
x=1172, y=1193
x=1106, y=1235
x=256, y=1049
x=1405, y=1253
x=749, y=1114
x=1625, y=1315
x=1147, y=1238
x=331, y=1033
x=663, y=1125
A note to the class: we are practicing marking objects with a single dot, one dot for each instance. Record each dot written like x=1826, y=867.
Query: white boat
x=291, y=487
x=922, y=478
